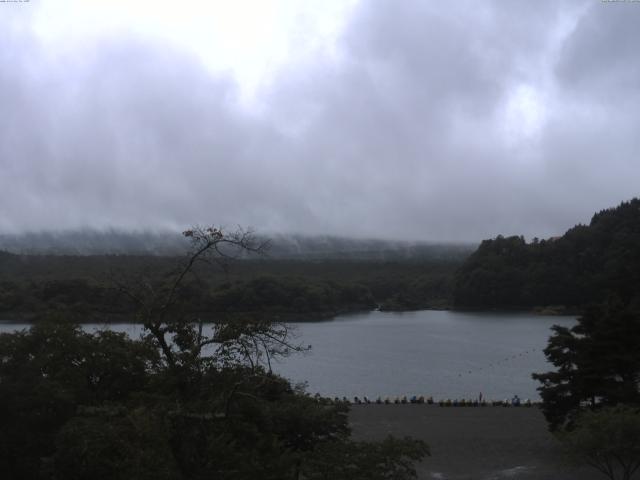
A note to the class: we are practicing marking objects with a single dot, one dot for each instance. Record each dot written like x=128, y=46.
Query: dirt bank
x=483, y=443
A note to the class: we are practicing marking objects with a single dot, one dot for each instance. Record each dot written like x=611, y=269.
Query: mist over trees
x=172, y=243
x=304, y=286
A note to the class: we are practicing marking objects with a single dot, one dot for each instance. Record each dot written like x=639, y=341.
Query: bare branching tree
x=187, y=341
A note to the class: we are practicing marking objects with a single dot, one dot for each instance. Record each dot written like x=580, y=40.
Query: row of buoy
x=484, y=403
x=514, y=402
x=498, y=362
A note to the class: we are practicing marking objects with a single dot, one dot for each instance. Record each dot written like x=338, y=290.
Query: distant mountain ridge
x=94, y=242
x=585, y=265
x=170, y=243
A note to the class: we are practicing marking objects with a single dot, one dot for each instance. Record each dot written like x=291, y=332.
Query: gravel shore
x=484, y=443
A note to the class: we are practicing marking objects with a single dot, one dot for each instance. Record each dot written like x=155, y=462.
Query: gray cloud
x=439, y=122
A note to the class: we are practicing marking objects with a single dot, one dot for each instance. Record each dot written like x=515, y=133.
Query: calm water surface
x=440, y=353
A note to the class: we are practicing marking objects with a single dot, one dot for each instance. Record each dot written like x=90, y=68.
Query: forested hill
x=585, y=265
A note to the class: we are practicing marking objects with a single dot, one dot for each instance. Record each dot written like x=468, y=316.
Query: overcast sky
x=420, y=120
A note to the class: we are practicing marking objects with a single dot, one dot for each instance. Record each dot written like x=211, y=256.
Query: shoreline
x=489, y=443
x=287, y=317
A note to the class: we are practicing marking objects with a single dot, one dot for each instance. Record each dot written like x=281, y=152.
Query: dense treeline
x=273, y=294
x=89, y=285
x=78, y=405
x=585, y=265
x=181, y=402
x=591, y=399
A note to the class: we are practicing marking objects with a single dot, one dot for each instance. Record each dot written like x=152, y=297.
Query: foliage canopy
x=586, y=265
x=182, y=402
x=597, y=363
x=608, y=440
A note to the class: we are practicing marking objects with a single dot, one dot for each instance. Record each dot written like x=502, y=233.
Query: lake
x=445, y=354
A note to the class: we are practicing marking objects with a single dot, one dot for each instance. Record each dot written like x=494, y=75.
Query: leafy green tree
x=597, y=361
x=114, y=443
x=586, y=264
x=608, y=440
x=46, y=373
x=183, y=402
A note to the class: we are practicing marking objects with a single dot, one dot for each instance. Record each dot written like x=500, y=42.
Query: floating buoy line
x=422, y=400
x=496, y=363
x=448, y=402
